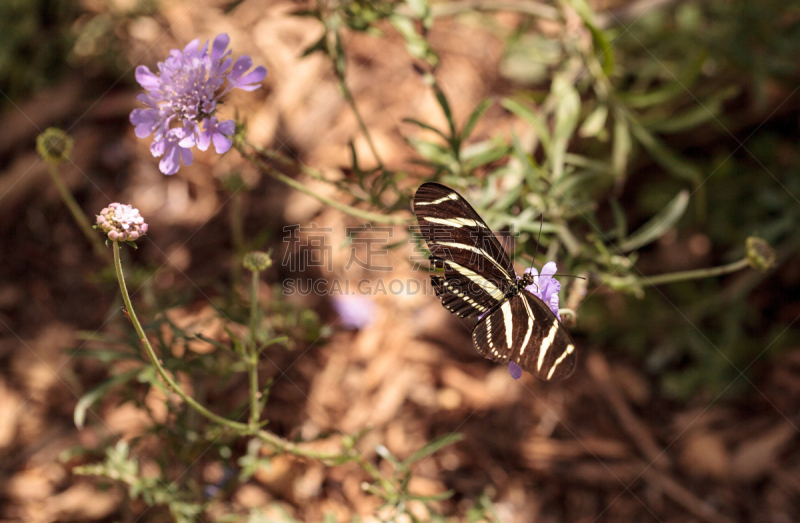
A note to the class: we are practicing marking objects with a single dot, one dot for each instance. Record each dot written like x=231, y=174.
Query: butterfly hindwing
x=525, y=330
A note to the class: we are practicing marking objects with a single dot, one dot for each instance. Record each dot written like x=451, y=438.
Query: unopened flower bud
x=257, y=261
x=54, y=145
x=121, y=223
x=759, y=253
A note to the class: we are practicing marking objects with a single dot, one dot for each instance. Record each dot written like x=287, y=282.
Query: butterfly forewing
x=525, y=330
x=478, y=273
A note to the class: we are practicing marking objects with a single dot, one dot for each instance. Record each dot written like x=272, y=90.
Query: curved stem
x=77, y=212
x=352, y=102
x=336, y=204
x=154, y=359
x=252, y=367
x=278, y=443
x=694, y=275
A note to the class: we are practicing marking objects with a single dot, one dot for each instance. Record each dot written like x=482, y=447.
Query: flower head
x=355, y=310
x=121, y=222
x=54, y=145
x=545, y=287
x=760, y=255
x=182, y=98
x=257, y=261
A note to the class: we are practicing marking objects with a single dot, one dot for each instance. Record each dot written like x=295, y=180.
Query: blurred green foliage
x=36, y=41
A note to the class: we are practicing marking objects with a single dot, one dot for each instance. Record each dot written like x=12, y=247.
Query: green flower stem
x=237, y=237
x=77, y=213
x=352, y=102
x=695, y=274
x=154, y=359
x=278, y=443
x=336, y=204
x=255, y=411
x=439, y=10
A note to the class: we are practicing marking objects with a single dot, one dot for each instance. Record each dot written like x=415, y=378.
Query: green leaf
x=621, y=229
x=88, y=399
x=595, y=122
x=416, y=45
x=567, y=113
x=696, y=115
x=568, y=108
x=445, y=105
x=423, y=125
x=319, y=45
x=475, y=117
x=433, y=446
x=664, y=156
x=622, y=145
x=658, y=224
x=533, y=119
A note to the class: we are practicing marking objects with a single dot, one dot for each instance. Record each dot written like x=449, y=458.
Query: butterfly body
x=480, y=282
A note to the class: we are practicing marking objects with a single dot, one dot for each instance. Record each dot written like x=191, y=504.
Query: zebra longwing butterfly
x=479, y=281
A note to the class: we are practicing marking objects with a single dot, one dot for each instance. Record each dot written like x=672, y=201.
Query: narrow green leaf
x=664, y=156
x=622, y=145
x=423, y=125
x=88, y=399
x=445, y=105
x=475, y=117
x=595, y=122
x=319, y=45
x=433, y=446
x=533, y=119
x=621, y=229
x=658, y=224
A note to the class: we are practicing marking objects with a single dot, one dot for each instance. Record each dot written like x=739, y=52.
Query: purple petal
x=250, y=81
x=187, y=141
x=204, y=140
x=549, y=269
x=221, y=143
x=514, y=370
x=146, y=78
x=187, y=156
x=158, y=147
x=554, y=305
x=227, y=127
x=218, y=47
x=170, y=163
x=355, y=311
x=191, y=48
x=243, y=63
x=148, y=100
x=548, y=287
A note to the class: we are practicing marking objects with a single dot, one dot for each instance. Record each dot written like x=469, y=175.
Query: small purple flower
x=121, y=222
x=545, y=287
x=355, y=310
x=182, y=99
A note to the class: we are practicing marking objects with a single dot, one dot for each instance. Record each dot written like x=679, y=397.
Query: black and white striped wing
x=478, y=272
x=525, y=330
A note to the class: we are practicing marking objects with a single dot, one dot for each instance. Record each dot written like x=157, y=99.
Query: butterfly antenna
x=537, y=239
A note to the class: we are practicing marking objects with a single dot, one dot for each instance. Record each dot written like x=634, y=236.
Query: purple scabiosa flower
x=182, y=98
x=121, y=223
x=355, y=310
x=545, y=287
